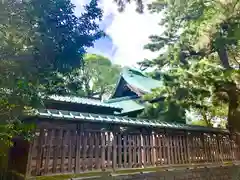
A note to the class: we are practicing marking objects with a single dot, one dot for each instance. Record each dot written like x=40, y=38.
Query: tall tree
x=39, y=40
x=202, y=41
x=103, y=75
x=96, y=77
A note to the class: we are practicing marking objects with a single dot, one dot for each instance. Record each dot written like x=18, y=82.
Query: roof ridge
x=81, y=100
x=120, y=99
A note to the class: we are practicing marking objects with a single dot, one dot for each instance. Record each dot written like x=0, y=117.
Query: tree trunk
x=233, y=123
x=206, y=119
x=223, y=55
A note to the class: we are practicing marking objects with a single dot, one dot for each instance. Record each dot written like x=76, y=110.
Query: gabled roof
x=128, y=103
x=137, y=80
x=78, y=116
x=81, y=100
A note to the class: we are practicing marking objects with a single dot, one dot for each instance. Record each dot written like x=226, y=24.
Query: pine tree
x=202, y=56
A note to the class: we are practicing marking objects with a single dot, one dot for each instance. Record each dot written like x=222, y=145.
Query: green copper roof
x=80, y=100
x=128, y=104
x=78, y=116
x=138, y=80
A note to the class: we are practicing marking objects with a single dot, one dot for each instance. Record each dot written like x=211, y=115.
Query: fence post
x=219, y=148
x=153, y=147
x=78, y=143
x=188, y=149
x=142, y=151
x=114, y=163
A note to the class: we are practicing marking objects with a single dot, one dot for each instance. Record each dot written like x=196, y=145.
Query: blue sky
x=127, y=32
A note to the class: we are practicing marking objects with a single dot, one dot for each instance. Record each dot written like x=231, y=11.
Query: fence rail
x=69, y=149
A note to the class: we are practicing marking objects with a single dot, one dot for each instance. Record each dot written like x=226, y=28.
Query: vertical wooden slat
x=164, y=149
x=139, y=160
x=204, y=147
x=201, y=148
x=154, y=149
x=64, y=137
x=119, y=146
x=233, y=150
x=175, y=151
x=39, y=151
x=219, y=148
x=103, y=150
x=143, y=162
x=81, y=150
x=85, y=150
x=130, y=150
x=193, y=149
x=146, y=148
x=225, y=148
x=114, y=161
x=134, y=150
x=215, y=149
x=210, y=144
x=185, y=155
x=178, y=142
x=229, y=147
x=170, y=149
x=197, y=148
x=174, y=154
x=78, y=151
x=109, y=148
x=187, y=148
x=56, y=149
x=210, y=148
x=184, y=149
x=149, y=149
x=125, y=150
x=91, y=150
x=168, y=155
x=159, y=140
x=48, y=150
x=181, y=160
x=70, y=144
x=97, y=148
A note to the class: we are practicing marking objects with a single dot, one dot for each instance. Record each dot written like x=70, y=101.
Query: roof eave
x=78, y=116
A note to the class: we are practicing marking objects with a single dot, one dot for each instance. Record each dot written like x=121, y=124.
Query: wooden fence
x=75, y=148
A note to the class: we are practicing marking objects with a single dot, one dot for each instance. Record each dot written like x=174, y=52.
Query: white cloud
x=129, y=31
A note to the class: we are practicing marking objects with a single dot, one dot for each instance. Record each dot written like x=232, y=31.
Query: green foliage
x=103, y=75
x=39, y=41
x=163, y=111
x=97, y=76
x=201, y=123
x=122, y=4
x=201, y=45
